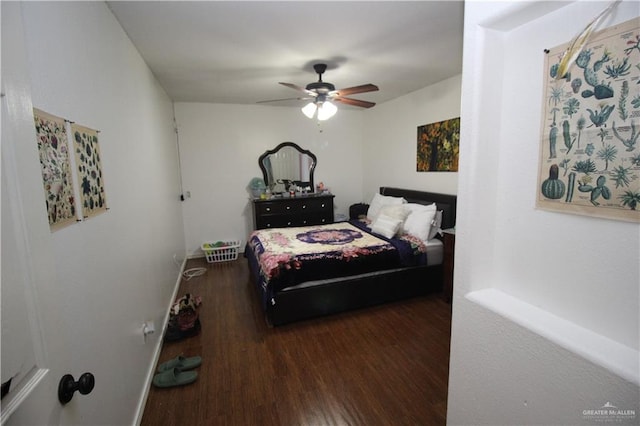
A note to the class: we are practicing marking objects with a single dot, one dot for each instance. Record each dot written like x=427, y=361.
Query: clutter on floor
x=183, y=318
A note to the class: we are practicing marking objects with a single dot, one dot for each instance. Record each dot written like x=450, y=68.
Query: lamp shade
x=309, y=109
x=326, y=110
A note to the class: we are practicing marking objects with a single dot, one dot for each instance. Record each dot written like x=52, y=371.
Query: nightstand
x=449, y=240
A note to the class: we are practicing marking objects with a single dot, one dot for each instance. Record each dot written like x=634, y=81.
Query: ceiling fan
x=321, y=93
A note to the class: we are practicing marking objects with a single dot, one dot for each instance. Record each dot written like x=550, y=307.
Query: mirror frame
x=297, y=148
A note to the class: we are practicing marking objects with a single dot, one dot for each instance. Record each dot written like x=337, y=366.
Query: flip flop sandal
x=180, y=362
x=174, y=377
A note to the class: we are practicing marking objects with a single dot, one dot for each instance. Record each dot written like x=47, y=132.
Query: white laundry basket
x=221, y=251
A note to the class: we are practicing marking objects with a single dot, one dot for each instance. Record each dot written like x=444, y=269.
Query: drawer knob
x=288, y=223
x=288, y=207
x=304, y=206
x=322, y=205
x=268, y=209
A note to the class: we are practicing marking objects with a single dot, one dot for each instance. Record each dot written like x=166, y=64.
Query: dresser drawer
x=295, y=206
x=270, y=208
x=273, y=221
x=286, y=212
x=286, y=221
x=316, y=205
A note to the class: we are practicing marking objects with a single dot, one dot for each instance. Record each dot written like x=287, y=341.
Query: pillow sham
x=386, y=225
x=436, y=225
x=418, y=223
x=398, y=211
x=414, y=207
x=380, y=201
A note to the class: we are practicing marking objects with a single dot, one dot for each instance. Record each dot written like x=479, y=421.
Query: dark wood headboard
x=445, y=202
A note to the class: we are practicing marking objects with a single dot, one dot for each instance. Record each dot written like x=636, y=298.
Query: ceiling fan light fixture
x=309, y=109
x=320, y=92
x=326, y=110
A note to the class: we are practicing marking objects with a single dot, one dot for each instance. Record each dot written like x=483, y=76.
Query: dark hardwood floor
x=385, y=365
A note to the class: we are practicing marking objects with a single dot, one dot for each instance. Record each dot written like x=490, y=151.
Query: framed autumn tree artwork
x=439, y=146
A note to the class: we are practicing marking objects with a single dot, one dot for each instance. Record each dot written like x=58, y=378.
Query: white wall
x=116, y=270
x=358, y=151
x=219, y=149
x=390, y=129
x=546, y=305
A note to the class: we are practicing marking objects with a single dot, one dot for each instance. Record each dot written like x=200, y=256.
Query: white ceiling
x=238, y=51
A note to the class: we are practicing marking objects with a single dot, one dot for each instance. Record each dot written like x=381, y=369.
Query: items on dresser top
x=312, y=209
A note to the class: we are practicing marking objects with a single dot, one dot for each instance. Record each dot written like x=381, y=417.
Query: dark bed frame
x=355, y=292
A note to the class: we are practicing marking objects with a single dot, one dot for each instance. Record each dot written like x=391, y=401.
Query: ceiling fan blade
x=354, y=102
x=285, y=99
x=300, y=89
x=356, y=89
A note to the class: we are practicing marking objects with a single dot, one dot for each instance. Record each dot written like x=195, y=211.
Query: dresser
x=294, y=211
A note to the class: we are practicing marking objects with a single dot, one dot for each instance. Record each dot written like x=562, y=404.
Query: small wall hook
x=68, y=386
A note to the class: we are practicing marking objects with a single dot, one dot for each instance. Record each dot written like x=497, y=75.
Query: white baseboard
x=156, y=355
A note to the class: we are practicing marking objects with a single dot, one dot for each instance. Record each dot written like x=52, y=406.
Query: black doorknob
x=68, y=386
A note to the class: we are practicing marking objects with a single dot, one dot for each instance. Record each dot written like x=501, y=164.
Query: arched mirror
x=287, y=163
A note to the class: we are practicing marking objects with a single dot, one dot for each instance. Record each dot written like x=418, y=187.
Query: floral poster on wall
x=438, y=146
x=590, y=148
x=89, y=169
x=53, y=150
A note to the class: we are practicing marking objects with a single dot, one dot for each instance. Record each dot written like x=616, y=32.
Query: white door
x=24, y=366
x=34, y=350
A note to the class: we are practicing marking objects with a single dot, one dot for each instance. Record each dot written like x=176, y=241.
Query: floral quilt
x=284, y=257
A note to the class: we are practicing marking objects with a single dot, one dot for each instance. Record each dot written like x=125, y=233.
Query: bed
x=306, y=272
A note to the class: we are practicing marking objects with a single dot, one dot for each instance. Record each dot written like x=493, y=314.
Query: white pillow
x=414, y=207
x=418, y=223
x=398, y=211
x=385, y=225
x=380, y=201
x=436, y=225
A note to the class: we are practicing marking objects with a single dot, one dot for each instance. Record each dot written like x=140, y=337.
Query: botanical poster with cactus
x=53, y=150
x=439, y=146
x=89, y=168
x=590, y=150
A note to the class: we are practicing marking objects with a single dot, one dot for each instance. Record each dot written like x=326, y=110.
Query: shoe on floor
x=183, y=363
x=174, y=377
x=174, y=333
